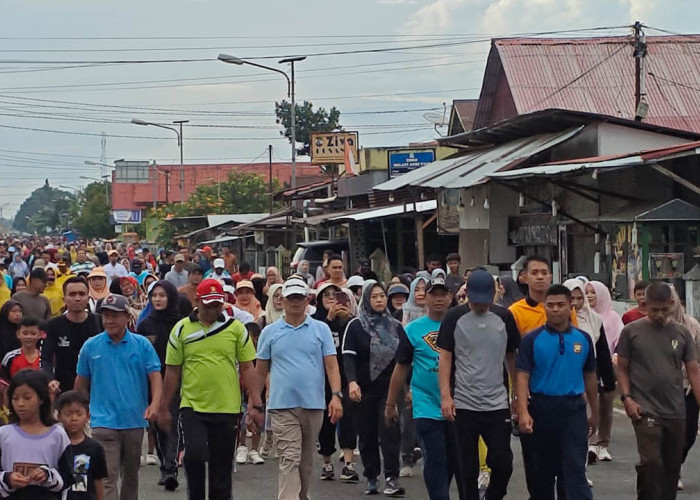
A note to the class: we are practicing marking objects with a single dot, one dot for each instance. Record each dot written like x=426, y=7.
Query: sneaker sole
x=353, y=480
x=395, y=494
x=171, y=484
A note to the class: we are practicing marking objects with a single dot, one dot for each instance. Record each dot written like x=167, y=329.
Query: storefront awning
x=224, y=239
x=474, y=167
x=369, y=214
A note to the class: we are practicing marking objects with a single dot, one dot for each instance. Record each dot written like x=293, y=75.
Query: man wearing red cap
x=202, y=354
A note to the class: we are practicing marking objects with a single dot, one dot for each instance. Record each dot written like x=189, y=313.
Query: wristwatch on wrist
x=260, y=408
x=337, y=393
x=624, y=396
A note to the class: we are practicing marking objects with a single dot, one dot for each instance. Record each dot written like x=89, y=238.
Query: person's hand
x=592, y=425
x=18, y=480
x=250, y=425
x=343, y=311
x=37, y=476
x=391, y=414
x=408, y=397
x=354, y=392
x=632, y=408
x=257, y=417
x=151, y=413
x=333, y=312
x=54, y=387
x=447, y=408
x=164, y=420
x=335, y=409
x=525, y=423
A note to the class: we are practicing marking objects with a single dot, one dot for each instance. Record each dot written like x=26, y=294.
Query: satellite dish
x=438, y=120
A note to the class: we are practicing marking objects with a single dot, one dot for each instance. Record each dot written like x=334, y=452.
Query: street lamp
x=136, y=121
x=104, y=176
x=290, y=93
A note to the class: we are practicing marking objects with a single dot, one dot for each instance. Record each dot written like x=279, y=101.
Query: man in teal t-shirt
x=418, y=347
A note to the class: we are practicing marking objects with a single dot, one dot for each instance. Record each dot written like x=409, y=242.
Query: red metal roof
x=594, y=75
x=463, y=110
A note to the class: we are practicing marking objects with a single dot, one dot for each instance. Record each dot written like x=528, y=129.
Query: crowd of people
x=103, y=345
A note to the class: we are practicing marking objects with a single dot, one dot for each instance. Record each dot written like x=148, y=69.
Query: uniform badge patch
x=578, y=348
x=674, y=344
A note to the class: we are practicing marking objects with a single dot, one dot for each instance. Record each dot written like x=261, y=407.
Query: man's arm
x=335, y=407
x=692, y=368
x=522, y=391
x=170, y=383
x=156, y=384
x=82, y=384
x=254, y=383
x=632, y=408
x=444, y=377
x=398, y=380
x=250, y=384
x=591, y=382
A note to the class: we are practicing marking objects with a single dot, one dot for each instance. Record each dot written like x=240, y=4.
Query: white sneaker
x=356, y=452
x=406, y=471
x=593, y=454
x=590, y=483
x=604, y=454
x=484, y=479
x=143, y=460
x=151, y=459
x=248, y=434
x=255, y=458
x=241, y=454
x=680, y=485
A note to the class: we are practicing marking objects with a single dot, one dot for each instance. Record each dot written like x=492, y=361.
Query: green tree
x=44, y=207
x=308, y=120
x=90, y=212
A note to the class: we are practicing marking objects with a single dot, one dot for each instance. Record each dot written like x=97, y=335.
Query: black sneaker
x=170, y=482
x=327, y=473
x=161, y=481
x=392, y=488
x=348, y=474
x=372, y=487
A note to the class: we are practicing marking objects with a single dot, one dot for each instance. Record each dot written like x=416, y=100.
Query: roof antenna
x=438, y=120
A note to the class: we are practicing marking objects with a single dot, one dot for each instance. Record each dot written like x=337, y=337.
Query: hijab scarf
x=383, y=330
x=612, y=323
x=513, y=293
x=272, y=314
x=588, y=320
x=410, y=309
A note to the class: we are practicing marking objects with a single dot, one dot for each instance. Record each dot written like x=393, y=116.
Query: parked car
x=313, y=252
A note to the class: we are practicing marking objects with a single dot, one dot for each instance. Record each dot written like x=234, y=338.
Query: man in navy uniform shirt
x=555, y=365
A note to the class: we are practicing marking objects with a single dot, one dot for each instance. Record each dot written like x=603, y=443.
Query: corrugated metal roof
x=463, y=111
x=597, y=75
x=219, y=219
x=473, y=167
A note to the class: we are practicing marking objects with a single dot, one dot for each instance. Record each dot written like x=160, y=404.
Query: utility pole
x=640, y=51
x=182, y=164
x=269, y=150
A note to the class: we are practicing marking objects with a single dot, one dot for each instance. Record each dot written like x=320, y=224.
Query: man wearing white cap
x=218, y=271
x=297, y=351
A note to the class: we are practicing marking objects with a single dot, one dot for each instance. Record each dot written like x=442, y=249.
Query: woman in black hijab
x=10, y=318
x=164, y=300
x=512, y=292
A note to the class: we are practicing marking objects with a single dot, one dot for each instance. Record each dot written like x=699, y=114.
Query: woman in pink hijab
x=599, y=298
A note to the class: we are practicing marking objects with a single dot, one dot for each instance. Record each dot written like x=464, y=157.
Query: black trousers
x=167, y=442
x=372, y=431
x=691, y=423
x=209, y=437
x=660, y=444
x=345, y=429
x=495, y=428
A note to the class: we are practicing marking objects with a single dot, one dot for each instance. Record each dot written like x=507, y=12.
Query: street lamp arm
x=235, y=60
x=136, y=121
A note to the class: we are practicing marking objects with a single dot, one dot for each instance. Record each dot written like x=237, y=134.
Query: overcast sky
x=53, y=75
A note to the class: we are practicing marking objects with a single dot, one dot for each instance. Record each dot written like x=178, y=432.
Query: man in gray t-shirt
x=651, y=355
x=477, y=341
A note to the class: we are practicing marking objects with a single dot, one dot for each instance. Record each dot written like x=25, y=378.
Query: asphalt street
x=612, y=480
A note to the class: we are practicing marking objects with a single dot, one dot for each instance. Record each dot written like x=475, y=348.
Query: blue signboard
x=405, y=161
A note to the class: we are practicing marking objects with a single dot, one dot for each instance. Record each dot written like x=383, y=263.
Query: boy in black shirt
x=89, y=463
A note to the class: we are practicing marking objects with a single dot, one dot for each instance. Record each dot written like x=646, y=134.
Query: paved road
x=612, y=480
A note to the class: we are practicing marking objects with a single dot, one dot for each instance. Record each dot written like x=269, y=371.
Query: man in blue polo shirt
x=555, y=365
x=297, y=351
x=117, y=367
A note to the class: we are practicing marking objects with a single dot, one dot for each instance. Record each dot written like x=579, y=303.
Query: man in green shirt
x=203, y=350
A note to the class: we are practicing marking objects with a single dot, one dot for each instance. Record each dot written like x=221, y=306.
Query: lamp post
x=290, y=93
x=136, y=121
x=104, y=176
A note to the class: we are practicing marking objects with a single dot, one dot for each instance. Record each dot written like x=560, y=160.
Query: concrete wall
x=616, y=139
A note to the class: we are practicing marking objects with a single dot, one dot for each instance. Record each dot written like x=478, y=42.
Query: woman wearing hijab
x=303, y=271
x=5, y=292
x=259, y=285
x=336, y=315
x=511, y=293
x=10, y=318
x=18, y=285
x=415, y=306
x=97, y=283
x=591, y=322
x=600, y=300
x=272, y=276
x=369, y=349
x=52, y=291
x=691, y=405
x=165, y=313
x=246, y=300
x=129, y=288
x=274, y=309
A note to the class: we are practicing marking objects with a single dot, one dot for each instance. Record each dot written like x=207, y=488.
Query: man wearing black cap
x=475, y=341
x=34, y=304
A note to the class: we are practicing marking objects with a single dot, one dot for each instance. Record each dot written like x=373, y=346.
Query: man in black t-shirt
x=66, y=334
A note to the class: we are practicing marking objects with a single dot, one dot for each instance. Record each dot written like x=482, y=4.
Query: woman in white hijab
x=591, y=322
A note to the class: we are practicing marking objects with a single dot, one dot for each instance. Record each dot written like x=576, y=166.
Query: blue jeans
x=561, y=441
x=437, y=470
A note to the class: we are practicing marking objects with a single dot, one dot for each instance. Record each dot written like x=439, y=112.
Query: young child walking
x=89, y=463
x=28, y=354
x=36, y=458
